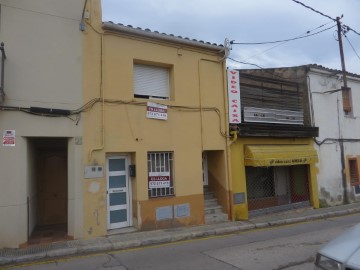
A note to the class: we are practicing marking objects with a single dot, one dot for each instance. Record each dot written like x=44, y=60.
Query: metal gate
x=270, y=187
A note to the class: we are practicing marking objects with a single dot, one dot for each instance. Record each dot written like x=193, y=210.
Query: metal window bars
x=161, y=162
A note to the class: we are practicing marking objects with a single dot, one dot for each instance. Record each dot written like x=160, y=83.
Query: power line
x=327, y=16
x=281, y=41
x=319, y=12
x=277, y=45
x=352, y=47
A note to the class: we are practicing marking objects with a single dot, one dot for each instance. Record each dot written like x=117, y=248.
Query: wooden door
x=52, y=180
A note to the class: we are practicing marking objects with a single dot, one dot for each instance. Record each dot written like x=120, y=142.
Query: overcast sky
x=252, y=21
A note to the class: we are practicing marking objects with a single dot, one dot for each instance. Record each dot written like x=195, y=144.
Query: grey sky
x=251, y=21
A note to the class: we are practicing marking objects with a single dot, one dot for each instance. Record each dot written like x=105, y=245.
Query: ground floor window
x=354, y=173
x=275, y=186
x=160, y=174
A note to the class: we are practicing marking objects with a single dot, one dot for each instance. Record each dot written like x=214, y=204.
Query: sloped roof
x=316, y=66
x=161, y=36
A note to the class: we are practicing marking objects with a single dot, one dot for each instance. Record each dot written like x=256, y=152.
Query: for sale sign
x=156, y=111
x=234, y=96
x=159, y=179
x=9, y=138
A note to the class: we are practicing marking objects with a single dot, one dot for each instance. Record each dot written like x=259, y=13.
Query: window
x=346, y=96
x=354, y=172
x=160, y=174
x=151, y=82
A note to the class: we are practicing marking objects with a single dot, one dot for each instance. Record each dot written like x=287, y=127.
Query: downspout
x=102, y=97
x=3, y=57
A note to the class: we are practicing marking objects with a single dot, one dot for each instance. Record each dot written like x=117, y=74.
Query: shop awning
x=279, y=155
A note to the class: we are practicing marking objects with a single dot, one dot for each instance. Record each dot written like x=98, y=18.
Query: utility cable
x=280, y=41
x=352, y=47
x=277, y=45
x=327, y=16
x=319, y=12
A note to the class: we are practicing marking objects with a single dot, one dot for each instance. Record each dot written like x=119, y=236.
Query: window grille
x=161, y=163
x=354, y=173
x=151, y=82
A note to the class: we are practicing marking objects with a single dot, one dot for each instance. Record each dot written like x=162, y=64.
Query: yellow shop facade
x=155, y=127
x=273, y=159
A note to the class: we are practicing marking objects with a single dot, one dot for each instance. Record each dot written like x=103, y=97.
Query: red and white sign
x=234, y=96
x=9, y=138
x=156, y=111
x=159, y=179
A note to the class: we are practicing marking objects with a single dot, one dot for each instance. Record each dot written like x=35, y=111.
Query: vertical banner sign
x=156, y=111
x=233, y=79
x=9, y=138
x=159, y=179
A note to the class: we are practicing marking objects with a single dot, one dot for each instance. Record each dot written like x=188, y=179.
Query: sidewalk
x=139, y=239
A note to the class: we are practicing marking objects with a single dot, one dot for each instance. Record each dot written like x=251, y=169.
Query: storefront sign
x=159, y=179
x=283, y=162
x=156, y=111
x=234, y=96
x=9, y=138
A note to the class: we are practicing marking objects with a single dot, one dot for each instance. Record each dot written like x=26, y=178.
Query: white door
x=118, y=192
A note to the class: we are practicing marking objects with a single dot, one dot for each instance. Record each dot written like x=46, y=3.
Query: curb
x=69, y=248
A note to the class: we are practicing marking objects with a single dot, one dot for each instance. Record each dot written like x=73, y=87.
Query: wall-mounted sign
x=233, y=80
x=9, y=138
x=265, y=115
x=159, y=179
x=156, y=111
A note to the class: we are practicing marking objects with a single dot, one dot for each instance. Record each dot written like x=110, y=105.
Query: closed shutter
x=151, y=81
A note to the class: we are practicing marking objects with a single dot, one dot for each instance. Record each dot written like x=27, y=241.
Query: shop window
x=151, y=82
x=160, y=174
x=354, y=172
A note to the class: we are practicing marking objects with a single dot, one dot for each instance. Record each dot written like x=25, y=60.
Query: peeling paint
x=94, y=187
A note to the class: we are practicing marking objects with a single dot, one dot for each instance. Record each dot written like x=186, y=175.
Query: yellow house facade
x=155, y=128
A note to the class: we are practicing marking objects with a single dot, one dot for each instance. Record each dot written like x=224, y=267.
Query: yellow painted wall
x=197, y=80
x=240, y=211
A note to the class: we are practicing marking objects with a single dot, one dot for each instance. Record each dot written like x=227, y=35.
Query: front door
x=118, y=192
x=52, y=183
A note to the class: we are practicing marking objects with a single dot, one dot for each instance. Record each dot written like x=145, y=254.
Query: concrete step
x=213, y=210
x=209, y=195
x=216, y=218
x=211, y=202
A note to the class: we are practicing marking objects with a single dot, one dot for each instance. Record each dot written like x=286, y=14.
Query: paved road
x=289, y=247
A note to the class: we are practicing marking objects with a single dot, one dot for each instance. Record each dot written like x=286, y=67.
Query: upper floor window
x=151, y=82
x=347, y=102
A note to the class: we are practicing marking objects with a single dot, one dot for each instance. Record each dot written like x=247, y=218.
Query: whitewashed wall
x=330, y=118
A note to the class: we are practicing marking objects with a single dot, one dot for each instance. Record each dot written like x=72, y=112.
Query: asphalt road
x=287, y=247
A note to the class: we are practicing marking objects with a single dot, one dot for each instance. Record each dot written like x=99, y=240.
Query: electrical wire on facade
x=48, y=112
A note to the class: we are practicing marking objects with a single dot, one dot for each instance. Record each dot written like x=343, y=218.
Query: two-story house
x=273, y=157
x=155, y=127
x=41, y=151
x=336, y=111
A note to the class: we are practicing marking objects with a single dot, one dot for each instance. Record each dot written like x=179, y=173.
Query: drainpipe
x=2, y=93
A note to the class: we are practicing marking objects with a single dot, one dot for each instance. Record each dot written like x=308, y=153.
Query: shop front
x=272, y=177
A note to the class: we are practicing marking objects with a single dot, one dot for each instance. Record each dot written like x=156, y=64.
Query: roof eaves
x=110, y=26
